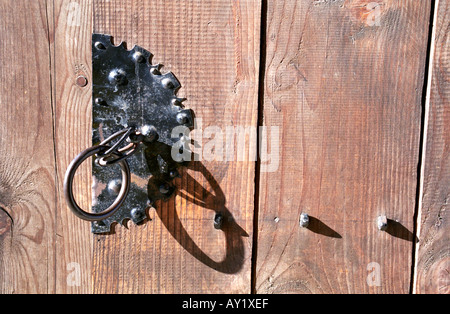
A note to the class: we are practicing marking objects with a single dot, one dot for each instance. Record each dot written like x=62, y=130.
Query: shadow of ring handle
x=68, y=185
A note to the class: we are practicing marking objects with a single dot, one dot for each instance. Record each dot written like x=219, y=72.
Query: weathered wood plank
x=27, y=166
x=344, y=83
x=213, y=49
x=432, y=271
x=71, y=56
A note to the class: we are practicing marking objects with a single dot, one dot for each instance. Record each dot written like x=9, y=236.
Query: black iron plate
x=128, y=91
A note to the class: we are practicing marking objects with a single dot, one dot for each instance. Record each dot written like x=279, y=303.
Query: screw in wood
x=304, y=220
x=382, y=223
x=218, y=221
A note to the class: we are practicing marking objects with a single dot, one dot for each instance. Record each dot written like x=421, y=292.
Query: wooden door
x=352, y=103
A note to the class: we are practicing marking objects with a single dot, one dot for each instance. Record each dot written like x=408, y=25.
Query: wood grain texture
x=343, y=82
x=343, y=85
x=27, y=185
x=213, y=49
x=71, y=23
x=432, y=272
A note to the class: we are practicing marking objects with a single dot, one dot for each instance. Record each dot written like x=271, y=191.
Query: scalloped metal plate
x=139, y=96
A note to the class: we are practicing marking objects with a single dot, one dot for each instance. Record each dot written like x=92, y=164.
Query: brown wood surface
x=213, y=49
x=432, y=270
x=27, y=171
x=71, y=23
x=343, y=82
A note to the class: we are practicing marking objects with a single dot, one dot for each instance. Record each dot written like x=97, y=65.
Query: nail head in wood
x=382, y=223
x=304, y=220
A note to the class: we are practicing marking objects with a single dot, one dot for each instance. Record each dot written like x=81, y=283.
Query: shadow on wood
x=216, y=201
x=396, y=229
x=317, y=226
x=160, y=154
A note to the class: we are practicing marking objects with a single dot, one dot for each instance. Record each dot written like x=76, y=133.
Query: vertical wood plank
x=27, y=171
x=432, y=271
x=213, y=49
x=71, y=56
x=344, y=84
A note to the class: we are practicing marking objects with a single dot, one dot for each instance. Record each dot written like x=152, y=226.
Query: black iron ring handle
x=68, y=185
